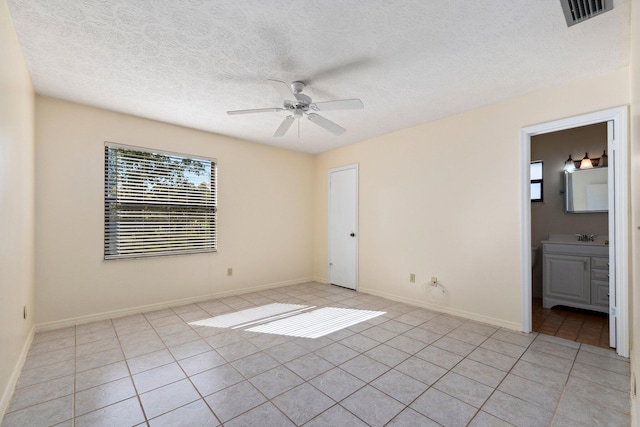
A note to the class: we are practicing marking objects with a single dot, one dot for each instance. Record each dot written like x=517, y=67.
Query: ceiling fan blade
x=284, y=126
x=283, y=89
x=326, y=124
x=256, y=110
x=342, y=104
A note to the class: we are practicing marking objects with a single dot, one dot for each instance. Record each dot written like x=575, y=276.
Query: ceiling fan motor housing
x=296, y=87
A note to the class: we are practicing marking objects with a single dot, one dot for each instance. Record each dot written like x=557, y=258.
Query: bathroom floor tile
x=577, y=325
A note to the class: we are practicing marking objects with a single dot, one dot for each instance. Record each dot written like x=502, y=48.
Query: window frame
x=537, y=181
x=171, y=208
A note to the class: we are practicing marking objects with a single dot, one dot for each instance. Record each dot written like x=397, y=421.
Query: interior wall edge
x=59, y=324
x=7, y=393
x=514, y=326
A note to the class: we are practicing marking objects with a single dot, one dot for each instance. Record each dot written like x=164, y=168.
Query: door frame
x=618, y=212
x=357, y=225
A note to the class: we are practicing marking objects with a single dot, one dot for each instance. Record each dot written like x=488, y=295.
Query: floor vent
x=576, y=11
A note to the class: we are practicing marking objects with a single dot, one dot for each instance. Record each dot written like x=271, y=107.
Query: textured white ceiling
x=410, y=61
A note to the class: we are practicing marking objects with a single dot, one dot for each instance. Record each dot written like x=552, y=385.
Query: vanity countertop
x=572, y=239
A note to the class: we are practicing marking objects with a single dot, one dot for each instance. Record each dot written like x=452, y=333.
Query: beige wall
x=443, y=199
x=548, y=217
x=265, y=196
x=634, y=77
x=16, y=208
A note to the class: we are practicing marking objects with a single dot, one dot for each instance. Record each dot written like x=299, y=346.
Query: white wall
x=443, y=199
x=16, y=208
x=265, y=228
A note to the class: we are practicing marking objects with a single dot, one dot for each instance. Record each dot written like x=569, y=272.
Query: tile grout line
x=126, y=361
x=564, y=387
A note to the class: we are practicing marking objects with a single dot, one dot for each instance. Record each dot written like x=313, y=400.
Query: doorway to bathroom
x=575, y=271
x=567, y=301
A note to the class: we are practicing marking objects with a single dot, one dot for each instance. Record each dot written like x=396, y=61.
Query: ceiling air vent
x=576, y=11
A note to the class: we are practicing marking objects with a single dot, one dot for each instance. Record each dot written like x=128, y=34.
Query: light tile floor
x=410, y=367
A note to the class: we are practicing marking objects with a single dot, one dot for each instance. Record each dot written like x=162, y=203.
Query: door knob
x=352, y=234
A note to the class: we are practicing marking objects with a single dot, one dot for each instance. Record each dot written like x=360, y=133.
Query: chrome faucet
x=586, y=237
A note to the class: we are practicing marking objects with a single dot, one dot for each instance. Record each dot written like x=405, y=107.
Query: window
x=157, y=203
x=536, y=181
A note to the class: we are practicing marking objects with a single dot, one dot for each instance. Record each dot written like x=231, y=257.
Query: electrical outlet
x=24, y=312
x=412, y=278
x=229, y=271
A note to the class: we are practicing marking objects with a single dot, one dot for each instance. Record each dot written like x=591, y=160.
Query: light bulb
x=586, y=162
x=569, y=165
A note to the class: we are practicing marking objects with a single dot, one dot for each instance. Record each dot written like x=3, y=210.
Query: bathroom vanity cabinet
x=575, y=274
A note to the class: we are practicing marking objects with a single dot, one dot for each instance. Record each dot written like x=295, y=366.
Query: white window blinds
x=157, y=203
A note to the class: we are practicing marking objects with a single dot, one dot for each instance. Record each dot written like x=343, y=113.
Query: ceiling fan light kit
x=299, y=105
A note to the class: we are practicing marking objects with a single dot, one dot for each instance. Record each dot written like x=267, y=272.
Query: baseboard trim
x=13, y=380
x=58, y=324
x=460, y=313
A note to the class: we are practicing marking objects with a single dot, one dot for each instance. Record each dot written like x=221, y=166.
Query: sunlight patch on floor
x=250, y=315
x=290, y=319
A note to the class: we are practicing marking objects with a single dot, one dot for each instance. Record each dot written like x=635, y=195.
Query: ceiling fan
x=299, y=105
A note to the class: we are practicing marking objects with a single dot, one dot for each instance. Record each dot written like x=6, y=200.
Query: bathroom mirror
x=586, y=190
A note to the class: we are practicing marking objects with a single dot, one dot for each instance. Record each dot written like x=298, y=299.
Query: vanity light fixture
x=586, y=162
x=604, y=159
x=569, y=165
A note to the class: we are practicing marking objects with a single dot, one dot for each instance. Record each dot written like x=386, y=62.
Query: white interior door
x=343, y=226
x=613, y=303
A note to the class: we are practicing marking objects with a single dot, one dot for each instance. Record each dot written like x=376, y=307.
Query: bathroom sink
x=572, y=239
